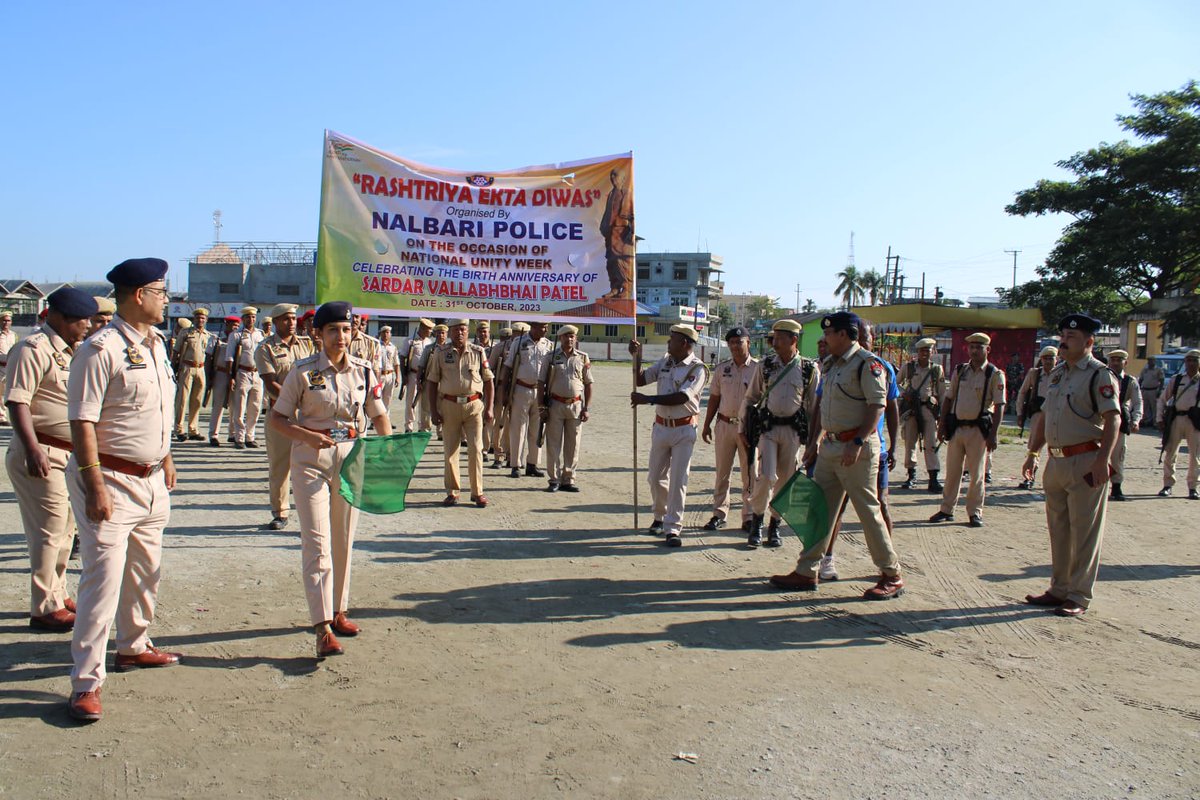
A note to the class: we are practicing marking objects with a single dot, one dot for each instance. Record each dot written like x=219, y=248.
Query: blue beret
x=1079, y=322
x=842, y=321
x=736, y=332
x=137, y=272
x=337, y=311
x=71, y=302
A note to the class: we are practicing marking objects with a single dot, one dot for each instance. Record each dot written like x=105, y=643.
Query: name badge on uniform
x=316, y=380
x=136, y=359
x=60, y=360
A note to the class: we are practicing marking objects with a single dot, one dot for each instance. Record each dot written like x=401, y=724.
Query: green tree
x=873, y=283
x=763, y=310
x=1135, y=215
x=850, y=288
x=809, y=306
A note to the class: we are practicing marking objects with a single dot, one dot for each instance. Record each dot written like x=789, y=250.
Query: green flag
x=801, y=503
x=377, y=470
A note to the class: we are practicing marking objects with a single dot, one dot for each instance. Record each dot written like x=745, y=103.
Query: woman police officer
x=323, y=406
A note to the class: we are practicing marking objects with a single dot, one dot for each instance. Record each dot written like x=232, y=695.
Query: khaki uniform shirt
x=319, y=395
x=1152, y=377
x=849, y=390
x=1028, y=391
x=688, y=376
x=460, y=374
x=789, y=394
x=194, y=345
x=933, y=387
x=250, y=340
x=367, y=348
x=122, y=382
x=1071, y=417
x=38, y=368
x=729, y=384
x=1184, y=394
x=966, y=391
x=276, y=357
x=8, y=340
x=568, y=374
x=496, y=354
x=389, y=358
x=533, y=357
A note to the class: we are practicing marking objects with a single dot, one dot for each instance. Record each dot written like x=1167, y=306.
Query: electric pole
x=797, y=298
x=1014, y=255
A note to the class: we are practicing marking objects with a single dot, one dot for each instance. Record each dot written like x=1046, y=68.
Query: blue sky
x=764, y=132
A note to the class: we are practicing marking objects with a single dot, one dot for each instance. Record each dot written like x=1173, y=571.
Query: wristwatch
x=858, y=440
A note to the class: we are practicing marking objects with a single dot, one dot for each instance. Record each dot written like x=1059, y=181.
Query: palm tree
x=873, y=283
x=809, y=306
x=850, y=288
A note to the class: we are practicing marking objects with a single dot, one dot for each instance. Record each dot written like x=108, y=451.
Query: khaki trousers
x=1182, y=430
x=928, y=439
x=726, y=446
x=189, y=393
x=416, y=417
x=968, y=447
x=47, y=520
x=122, y=567
x=860, y=482
x=778, y=456
x=1075, y=516
x=564, y=431
x=220, y=389
x=3, y=391
x=389, y=391
x=246, y=405
x=279, y=458
x=327, y=524
x=1118, y=459
x=522, y=428
x=500, y=434
x=461, y=421
x=1149, y=406
x=670, y=463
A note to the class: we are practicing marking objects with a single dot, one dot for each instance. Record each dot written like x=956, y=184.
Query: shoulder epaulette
x=304, y=362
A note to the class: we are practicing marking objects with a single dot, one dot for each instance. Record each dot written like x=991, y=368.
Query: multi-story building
x=683, y=288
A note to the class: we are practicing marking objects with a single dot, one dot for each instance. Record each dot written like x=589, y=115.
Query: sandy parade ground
x=542, y=647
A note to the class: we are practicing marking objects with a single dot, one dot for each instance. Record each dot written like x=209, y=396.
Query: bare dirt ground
x=542, y=648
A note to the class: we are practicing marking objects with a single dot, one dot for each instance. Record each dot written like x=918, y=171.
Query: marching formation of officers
x=96, y=394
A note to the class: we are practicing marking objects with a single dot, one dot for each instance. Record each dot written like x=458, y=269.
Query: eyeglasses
x=155, y=290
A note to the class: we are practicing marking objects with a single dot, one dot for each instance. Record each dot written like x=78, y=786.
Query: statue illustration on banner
x=399, y=238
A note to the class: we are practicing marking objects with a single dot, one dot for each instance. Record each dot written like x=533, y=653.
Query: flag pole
x=636, y=365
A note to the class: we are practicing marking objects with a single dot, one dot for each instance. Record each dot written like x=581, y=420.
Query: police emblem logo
x=729, y=370
x=1106, y=391
x=316, y=380
x=876, y=368
x=60, y=360
x=449, y=358
x=136, y=359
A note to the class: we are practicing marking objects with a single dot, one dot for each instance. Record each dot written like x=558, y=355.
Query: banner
x=398, y=238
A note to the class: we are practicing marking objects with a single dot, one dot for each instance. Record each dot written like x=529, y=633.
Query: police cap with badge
x=736, y=332
x=136, y=272
x=1079, y=322
x=842, y=321
x=72, y=303
x=335, y=311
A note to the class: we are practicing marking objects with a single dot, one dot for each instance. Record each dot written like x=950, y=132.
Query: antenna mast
x=216, y=217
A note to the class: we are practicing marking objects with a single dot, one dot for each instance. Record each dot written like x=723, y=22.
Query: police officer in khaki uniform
x=853, y=397
x=440, y=332
x=1151, y=382
x=483, y=338
x=680, y=377
x=730, y=380
x=247, y=387
x=120, y=399
x=975, y=400
x=324, y=404
x=1129, y=398
x=1032, y=394
x=389, y=366
x=220, y=382
x=274, y=359
x=496, y=361
x=416, y=409
x=496, y=445
x=363, y=345
x=566, y=398
x=191, y=350
x=525, y=364
x=1181, y=401
x=105, y=308
x=8, y=340
x=1080, y=422
x=36, y=398
x=922, y=387
x=460, y=394
x=782, y=389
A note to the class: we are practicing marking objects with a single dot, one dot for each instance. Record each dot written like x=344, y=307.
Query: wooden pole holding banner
x=636, y=369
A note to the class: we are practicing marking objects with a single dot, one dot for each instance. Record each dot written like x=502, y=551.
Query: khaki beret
x=1192, y=354
x=441, y=328
x=789, y=325
x=387, y=328
x=687, y=332
x=1048, y=351
x=249, y=310
x=979, y=338
x=926, y=342
x=5, y=315
x=184, y=323
x=428, y=323
x=454, y=323
x=566, y=329
x=201, y=311
x=281, y=309
x=107, y=305
x=520, y=327
x=505, y=332
x=1118, y=354
x=483, y=323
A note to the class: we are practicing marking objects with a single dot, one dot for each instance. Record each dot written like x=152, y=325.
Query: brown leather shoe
x=1044, y=599
x=794, y=583
x=342, y=624
x=328, y=645
x=1070, y=608
x=85, y=706
x=61, y=620
x=451, y=500
x=149, y=658
x=480, y=501
x=888, y=587
x=69, y=604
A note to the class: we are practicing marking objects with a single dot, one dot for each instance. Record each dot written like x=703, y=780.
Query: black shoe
x=755, y=537
x=1193, y=494
x=941, y=516
x=935, y=487
x=673, y=540
x=251, y=443
x=496, y=464
x=1025, y=485
x=491, y=451
x=277, y=524
x=655, y=528
x=911, y=483
x=746, y=525
x=569, y=487
x=214, y=442
x=181, y=437
x=74, y=549
x=1117, y=494
x=516, y=473
x=531, y=471
x=773, y=537
x=230, y=440
x=987, y=477
x=1165, y=492
x=195, y=437
x=553, y=487
x=714, y=523
x=976, y=521
x=239, y=446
